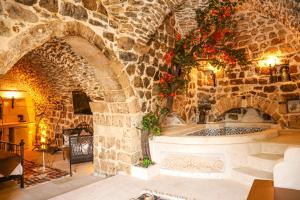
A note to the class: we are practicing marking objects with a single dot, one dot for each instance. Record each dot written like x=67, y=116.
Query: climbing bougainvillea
x=210, y=42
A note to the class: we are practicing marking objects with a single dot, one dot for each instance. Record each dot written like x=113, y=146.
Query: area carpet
x=34, y=173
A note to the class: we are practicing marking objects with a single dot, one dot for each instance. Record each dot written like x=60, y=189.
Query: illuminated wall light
x=270, y=60
x=213, y=71
x=11, y=94
x=43, y=133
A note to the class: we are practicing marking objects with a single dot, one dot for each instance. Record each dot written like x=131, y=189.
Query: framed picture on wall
x=293, y=106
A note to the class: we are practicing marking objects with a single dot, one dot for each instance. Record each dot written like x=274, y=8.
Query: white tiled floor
x=125, y=188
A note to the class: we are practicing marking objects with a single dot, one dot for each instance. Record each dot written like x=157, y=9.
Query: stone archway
x=225, y=104
x=115, y=116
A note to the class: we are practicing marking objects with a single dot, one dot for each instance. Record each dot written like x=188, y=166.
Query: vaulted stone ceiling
x=285, y=11
x=138, y=17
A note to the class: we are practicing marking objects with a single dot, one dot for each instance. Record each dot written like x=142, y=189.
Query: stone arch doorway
x=88, y=65
x=226, y=104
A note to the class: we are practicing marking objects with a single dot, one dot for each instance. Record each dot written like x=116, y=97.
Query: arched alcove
x=57, y=58
x=264, y=105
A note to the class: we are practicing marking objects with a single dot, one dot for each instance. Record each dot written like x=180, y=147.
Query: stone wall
x=285, y=11
x=114, y=59
x=50, y=84
x=112, y=49
x=125, y=31
x=186, y=13
x=249, y=86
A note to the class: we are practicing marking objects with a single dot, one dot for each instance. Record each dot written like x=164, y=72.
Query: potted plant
x=146, y=169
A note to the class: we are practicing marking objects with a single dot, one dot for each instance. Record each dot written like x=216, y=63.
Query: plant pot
x=144, y=173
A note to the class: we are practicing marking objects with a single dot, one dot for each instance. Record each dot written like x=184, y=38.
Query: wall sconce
x=213, y=76
x=12, y=95
x=12, y=102
x=278, y=72
x=212, y=71
x=209, y=71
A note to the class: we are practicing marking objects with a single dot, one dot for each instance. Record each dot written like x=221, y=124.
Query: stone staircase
x=260, y=166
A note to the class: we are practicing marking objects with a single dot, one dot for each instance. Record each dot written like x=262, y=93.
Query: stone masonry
x=111, y=50
x=249, y=86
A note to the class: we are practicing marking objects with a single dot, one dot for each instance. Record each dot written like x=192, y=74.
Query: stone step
x=288, y=131
x=246, y=175
x=273, y=148
x=263, y=161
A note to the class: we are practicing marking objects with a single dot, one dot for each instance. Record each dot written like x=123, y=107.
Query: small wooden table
x=264, y=190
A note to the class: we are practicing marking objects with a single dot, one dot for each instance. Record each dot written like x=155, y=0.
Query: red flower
x=220, y=18
x=219, y=35
x=209, y=49
x=173, y=94
x=204, y=37
x=161, y=80
x=168, y=77
x=227, y=11
x=214, y=12
x=168, y=57
x=162, y=95
x=178, y=37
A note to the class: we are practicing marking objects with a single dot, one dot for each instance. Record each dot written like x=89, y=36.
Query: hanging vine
x=210, y=42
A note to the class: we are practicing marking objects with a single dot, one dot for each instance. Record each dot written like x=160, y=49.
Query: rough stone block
x=294, y=121
x=128, y=56
x=27, y=2
x=109, y=36
x=288, y=87
x=125, y=43
x=96, y=23
x=50, y=5
x=90, y=4
x=100, y=107
x=236, y=81
x=71, y=10
x=4, y=30
x=270, y=89
x=15, y=11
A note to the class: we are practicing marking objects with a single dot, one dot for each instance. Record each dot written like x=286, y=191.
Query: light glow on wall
x=9, y=94
x=43, y=133
x=194, y=73
x=270, y=60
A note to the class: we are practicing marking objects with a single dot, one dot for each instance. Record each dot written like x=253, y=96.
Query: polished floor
x=84, y=186
x=126, y=188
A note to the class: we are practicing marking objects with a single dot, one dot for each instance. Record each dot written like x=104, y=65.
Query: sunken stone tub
x=208, y=150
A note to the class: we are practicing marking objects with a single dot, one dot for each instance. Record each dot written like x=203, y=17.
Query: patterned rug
x=34, y=173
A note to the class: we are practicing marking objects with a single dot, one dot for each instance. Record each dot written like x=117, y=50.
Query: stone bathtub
x=179, y=152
